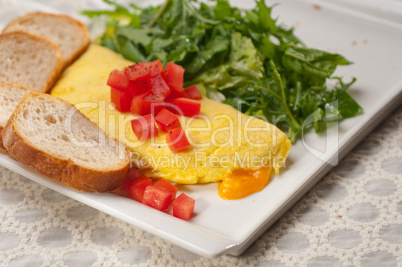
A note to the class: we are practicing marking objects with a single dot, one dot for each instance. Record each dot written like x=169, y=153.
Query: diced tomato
x=177, y=140
x=193, y=92
x=137, y=104
x=183, y=207
x=136, y=187
x=159, y=87
x=187, y=107
x=139, y=87
x=153, y=104
x=166, y=120
x=138, y=71
x=174, y=76
x=132, y=173
x=121, y=99
x=144, y=127
x=170, y=101
x=118, y=80
x=174, y=94
x=157, y=69
x=168, y=186
x=157, y=197
x=147, y=104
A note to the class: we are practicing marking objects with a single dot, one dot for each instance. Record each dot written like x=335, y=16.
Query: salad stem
x=285, y=104
x=161, y=10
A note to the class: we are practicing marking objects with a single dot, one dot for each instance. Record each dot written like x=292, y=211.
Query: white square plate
x=229, y=227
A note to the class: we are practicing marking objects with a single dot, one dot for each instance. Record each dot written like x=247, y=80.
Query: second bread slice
x=70, y=35
x=29, y=59
x=57, y=140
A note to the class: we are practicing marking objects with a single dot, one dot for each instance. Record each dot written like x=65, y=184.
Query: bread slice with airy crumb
x=10, y=96
x=57, y=140
x=29, y=59
x=69, y=34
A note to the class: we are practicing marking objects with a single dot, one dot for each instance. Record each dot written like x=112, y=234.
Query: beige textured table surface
x=352, y=217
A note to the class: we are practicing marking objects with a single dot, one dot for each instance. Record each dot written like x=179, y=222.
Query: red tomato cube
x=139, y=87
x=177, y=140
x=136, y=187
x=193, y=92
x=147, y=104
x=166, y=120
x=144, y=127
x=138, y=71
x=174, y=94
x=174, y=76
x=157, y=197
x=118, y=80
x=121, y=99
x=131, y=174
x=159, y=87
x=168, y=186
x=156, y=69
x=187, y=107
x=183, y=207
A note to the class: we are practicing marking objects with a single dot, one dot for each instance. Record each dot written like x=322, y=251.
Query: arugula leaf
x=311, y=63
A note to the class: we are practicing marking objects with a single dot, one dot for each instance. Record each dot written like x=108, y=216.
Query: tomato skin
x=157, y=197
x=137, y=106
x=183, y=207
x=118, y=80
x=136, y=187
x=138, y=87
x=174, y=94
x=159, y=87
x=177, y=140
x=121, y=99
x=156, y=68
x=187, y=107
x=146, y=104
x=167, y=120
x=168, y=186
x=153, y=104
x=138, y=71
x=132, y=172
x=144, y=127
x=193, y=92
x=174, y=76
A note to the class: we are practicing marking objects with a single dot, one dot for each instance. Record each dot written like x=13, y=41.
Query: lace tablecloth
x=352, y=217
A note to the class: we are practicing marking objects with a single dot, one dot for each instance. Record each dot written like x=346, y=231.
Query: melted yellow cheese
x=241, y=183
x=222, y=139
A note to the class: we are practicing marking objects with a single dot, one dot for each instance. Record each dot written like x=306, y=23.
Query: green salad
x=240, y=57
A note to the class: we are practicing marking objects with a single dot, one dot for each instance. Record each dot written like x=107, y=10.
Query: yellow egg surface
x=222, y=139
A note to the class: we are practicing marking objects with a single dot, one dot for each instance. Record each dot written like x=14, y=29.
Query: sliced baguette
x=69, y=34
x=57, y=140
x=10, y=96
x=29, y=59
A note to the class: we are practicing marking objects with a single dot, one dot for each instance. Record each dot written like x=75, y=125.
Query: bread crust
x=20, y=85
x=65, y=171
x=83, y=27
x=21, y=35
x=1, y=139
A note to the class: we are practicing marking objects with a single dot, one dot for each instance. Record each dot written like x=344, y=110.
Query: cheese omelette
x=223, y=140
